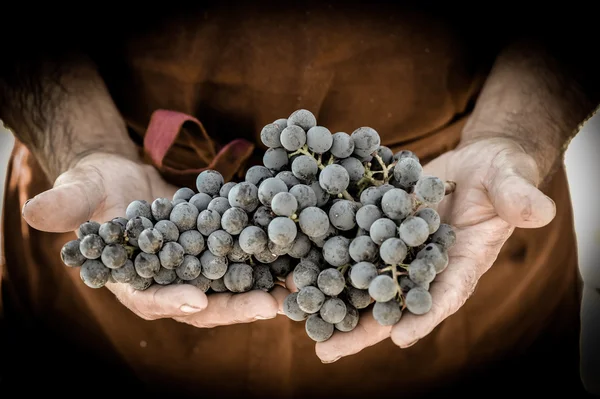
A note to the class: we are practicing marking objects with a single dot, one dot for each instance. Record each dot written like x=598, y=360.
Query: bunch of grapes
x=355, y=223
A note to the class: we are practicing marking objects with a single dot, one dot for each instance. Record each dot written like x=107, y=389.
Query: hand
x=99, y=187
x=495, y=192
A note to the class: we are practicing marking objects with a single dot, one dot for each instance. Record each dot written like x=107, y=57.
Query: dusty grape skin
x=366, y=141
x=396, y=204
x=168, y=230
x=305, y=273
x=282, y=231
x=121, y=222
x=150, y=241
x=124, y=274
x=209, y=182
x=138, y=208
x=189, y=269
x=71, y=255
x=237, y=254
x=192, y=242
x=146, y=265
x=91, y=246
x=288, y=178
x=270, y=135
x=445, y=236
x=414, y=231
x=350, y=321
x=300, y=246
x=310, y=299
x=253, y=240
x=291, y=308
x=219, y=204
x=87, y=228
x=111, y=233
x=335, y=251
x=281, y=267
x=315, y=256
x=320, y=241
x=213, y=267
x=171, y=255
x=178, y=201
x=342, y=215
x=407, y=172
x=94, y=274
x=318, y=329
x=255, y=175
x=405, y=154
x=319, y=139
x=334, y=179
x=381, y=230
x=333, y=310
x=361, y=275
x=342, y=145
x=208, y=221
x=218, y=285
x=135, y=227
x=266, y=256
x=275, y=159
x=165, y=276
x=114, y=256
x=184, y=193
x=313, y=221
x=220, y=243
x=292, y=138
x=432, y=218
x=362, y=248
x=354, y=167
x=418, y=301
x=393, y=251
x=430, y=190
x=421, y=271
x=278, y=249
x=239, y=277
x=262, y=217
x=322, y=196
x=366, y=215
x=284, y=204
x=200, y=282
x=331, y=282
x=184, y=216
x=263, y=279
x=269, y=188
x=436, y=255
x=305, y=196
x=360, y=299
x=387, y=313
x=382, y=288
x=141, y=283
x=303, y=118
x=371, y=196
x=201, y=200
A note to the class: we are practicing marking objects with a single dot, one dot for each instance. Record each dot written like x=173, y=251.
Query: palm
x=122, y=181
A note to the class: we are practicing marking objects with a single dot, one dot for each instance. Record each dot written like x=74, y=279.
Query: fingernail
x=410, y=344
x=189, y=309
x=24, y=205
x=331, y=361
x=259, y=317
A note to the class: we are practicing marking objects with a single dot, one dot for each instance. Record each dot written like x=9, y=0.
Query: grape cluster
x=355, y=223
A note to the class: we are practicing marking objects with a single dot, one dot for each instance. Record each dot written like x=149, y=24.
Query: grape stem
x=319, y=159
x=343, y=269
x=450, y=187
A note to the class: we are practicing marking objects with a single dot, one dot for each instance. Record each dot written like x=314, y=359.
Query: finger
x=279, y=293
x=63, y=208
x=159, y=302
x=514, y=193
x=367, y=333
x=289, y=283
x=449, y=292
x=227, y=308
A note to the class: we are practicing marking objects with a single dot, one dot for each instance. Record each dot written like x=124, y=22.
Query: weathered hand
x=496, y=191
x=99, y=188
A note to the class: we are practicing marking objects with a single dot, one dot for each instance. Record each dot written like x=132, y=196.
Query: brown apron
x=237, y=70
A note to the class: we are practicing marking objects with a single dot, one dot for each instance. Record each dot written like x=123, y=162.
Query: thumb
x=73, y=200
x=513, y=191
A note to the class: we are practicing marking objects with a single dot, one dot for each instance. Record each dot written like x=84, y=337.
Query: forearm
x=532, y=97
x=61, y=111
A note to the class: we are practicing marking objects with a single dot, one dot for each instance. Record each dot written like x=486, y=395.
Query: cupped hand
x=496, y=191
x=99, y=187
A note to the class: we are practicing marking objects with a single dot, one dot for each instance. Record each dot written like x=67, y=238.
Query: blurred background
x=582, y=164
